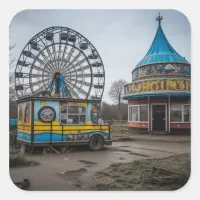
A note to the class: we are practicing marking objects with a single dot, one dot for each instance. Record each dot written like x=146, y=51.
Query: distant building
x=159, y=94
x=12, y=115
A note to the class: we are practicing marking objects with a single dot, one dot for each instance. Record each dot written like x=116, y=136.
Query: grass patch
x=17, y=160
x=106, y=187
x=128, y=176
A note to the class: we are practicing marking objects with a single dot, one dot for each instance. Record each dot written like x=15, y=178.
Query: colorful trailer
x=46, y=121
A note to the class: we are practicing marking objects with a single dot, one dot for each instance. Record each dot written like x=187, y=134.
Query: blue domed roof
x=161, y=51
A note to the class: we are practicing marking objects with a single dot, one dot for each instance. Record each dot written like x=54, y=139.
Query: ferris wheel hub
x=57, y=75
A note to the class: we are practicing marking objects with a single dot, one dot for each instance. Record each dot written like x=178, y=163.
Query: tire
x=96, y=142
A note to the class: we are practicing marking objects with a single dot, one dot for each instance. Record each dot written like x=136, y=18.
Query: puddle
x=73, y=173
x=87, y=162
x=128, y=151
x=159, y=150
x=73, y=177
x=138, y=154
x=124, y=146
x=120, y=150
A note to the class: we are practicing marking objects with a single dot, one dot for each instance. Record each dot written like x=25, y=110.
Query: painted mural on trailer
x=95, y=112
x=72, y=121
x=24, y=121
x=46, y=114
x=154, y=86
x=24, y=113
x=161, y=69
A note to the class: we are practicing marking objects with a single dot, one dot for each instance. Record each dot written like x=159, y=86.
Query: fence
x=118, y=128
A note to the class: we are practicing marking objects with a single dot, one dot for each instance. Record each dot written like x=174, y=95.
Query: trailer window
x=72, y=114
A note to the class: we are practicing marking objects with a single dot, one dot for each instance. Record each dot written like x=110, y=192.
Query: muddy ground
x=82, y=169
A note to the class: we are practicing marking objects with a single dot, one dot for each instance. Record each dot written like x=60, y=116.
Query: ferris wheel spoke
x=69, y=73
x=78, y=75
x=25, y=86
x=46, y=81
x=71, y=90
x=47, y=48
x=35, y=75
x=76, y=65
x=47, y=62
x=40, y=61
x=40, y=89
x=63, y=55
x=54, y=54
x=44, y=56
x=81, y=82
x=38, y=82
x=67, y=70
x=79, y=89
x=39, y=69
x=81, y=69
x=67, y=90
x=31, y=75
x=68, y=57
x=59, y=55
x=75, y=58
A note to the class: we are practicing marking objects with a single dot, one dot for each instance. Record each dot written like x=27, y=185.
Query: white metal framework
x=63, y=53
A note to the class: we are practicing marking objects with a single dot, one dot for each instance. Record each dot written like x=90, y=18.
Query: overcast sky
x=122, y=37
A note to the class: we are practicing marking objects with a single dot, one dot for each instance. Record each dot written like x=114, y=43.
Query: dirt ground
x=82, y=169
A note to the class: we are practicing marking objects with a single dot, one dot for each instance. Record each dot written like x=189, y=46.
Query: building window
x=180, y=113
x=176, y=112
x=138, y=113
x=186, y=113
x=72, y=114
x=143, y=113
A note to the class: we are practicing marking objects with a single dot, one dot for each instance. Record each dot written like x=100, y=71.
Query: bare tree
x=110, y=111
x=11, y=59
x=116, y=92
x=12, y=94
x=107, y=112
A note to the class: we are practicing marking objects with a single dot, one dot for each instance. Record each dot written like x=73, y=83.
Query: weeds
x=19, y=160
x=127, y=176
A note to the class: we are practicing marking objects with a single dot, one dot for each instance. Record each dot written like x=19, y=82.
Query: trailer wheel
x=96, y=142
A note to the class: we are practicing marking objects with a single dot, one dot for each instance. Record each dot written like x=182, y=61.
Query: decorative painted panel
x=24, y=121
x=95, y=112
x=156, y=86
x=24, y=113
x=161, y=69
x=46, y=114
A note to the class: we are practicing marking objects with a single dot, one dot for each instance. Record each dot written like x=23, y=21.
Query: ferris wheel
x=60, y=62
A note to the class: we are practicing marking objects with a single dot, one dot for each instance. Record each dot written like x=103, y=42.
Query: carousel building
x=159, y=94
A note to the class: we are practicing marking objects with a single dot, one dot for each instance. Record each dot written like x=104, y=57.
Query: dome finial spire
x=159, y=18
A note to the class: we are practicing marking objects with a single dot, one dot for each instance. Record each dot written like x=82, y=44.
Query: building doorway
x=158, y=117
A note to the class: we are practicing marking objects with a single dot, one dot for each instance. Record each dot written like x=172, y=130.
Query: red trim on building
x=137, y=101
x=179, y=125
x=138, y=124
